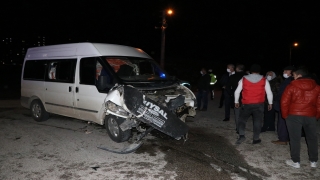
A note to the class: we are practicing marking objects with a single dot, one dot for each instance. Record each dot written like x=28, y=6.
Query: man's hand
x=236, y=105
x=269, y=107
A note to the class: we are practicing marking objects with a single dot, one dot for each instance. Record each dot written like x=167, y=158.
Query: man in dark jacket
x=300, y=106
x=227, y=99
x=203, y=90
x=232, y=86
x=270, y=116
x=283, y=135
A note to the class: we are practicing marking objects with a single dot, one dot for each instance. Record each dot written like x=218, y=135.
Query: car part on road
x=38, y=112
x=132, y=147
x=126, y=150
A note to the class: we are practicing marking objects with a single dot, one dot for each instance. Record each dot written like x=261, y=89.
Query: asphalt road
x=66, y=148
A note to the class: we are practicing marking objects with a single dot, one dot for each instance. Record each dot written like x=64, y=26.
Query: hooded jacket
x=301, y=97
x=274, y=85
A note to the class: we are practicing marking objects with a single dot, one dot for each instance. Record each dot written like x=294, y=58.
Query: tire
x=38, y=112
x=112, y=123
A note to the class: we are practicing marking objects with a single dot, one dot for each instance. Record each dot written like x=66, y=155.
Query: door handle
x=70, y=88
x=77, y=89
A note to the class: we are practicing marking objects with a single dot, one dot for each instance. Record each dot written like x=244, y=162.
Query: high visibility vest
x=213, y=79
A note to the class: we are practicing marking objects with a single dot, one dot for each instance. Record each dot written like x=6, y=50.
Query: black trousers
x=246, y=110
x=222, y=97
x=295, y=124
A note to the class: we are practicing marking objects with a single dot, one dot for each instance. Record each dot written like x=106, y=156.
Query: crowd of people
x=294, y=98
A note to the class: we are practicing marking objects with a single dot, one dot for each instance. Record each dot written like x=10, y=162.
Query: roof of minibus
x=83, y=49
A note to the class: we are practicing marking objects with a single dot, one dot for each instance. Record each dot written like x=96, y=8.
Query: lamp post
x=291, y=46
x=163, y=34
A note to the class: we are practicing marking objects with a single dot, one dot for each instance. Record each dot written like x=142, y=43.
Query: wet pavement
x=204, y=155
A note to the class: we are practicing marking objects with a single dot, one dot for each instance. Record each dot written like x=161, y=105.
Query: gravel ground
x=23, y=157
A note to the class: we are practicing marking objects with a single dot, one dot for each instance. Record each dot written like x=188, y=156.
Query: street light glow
x=295, y=44
x=169, y=12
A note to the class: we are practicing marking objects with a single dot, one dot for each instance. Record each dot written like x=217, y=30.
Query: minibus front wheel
x=112, y=124
x=38, y=112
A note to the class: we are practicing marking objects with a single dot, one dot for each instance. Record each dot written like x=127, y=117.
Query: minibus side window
x=88, y=71
x=34, y=70
x=93, y=73
x=61, y=70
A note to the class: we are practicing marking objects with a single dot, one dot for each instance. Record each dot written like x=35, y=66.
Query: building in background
x=13, y=49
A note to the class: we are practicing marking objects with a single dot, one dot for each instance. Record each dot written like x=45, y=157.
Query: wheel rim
x=36, y=110
x=113, y=127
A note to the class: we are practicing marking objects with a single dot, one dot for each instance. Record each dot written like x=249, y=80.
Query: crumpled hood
x=305, y=84
x=254, y=78
x=273, y=75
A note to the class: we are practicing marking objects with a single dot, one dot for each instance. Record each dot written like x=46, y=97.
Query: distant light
x=162, y=75
x=295, y=44
x=169, y=12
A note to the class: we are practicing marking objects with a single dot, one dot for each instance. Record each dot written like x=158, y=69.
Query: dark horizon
x=199, y=33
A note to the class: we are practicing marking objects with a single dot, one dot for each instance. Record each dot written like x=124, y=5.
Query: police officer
x=212, y=82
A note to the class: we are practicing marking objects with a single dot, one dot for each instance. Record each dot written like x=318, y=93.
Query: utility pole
x=163, y=38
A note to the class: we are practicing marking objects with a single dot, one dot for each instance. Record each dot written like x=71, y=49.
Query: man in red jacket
x=300, y=107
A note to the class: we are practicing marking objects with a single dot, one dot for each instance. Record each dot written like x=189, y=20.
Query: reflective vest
x=213, y=79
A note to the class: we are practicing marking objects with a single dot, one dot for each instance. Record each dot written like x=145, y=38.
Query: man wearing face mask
x=270, y=116
x=231, y=87
x=203, y=90
x=283, y=135
x=227, y=98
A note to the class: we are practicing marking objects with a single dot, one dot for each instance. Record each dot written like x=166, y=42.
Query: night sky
x=200, y=33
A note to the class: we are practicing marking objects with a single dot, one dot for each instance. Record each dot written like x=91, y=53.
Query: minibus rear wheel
x=38, y=112
x=112, y=123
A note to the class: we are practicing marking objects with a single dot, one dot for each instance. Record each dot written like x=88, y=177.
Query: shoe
x=280, y=142
x=293, y=164
x=226, y=119
x=241, y=139
x=256, y=141
x=313, y=164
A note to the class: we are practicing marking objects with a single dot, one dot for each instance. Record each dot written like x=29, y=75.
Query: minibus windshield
x=136, y=69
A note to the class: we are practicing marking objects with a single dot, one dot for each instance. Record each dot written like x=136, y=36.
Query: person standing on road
x=270, y=116
x=232, y=86
x=227, y=99
x=203, y=90
x=283, y=135
x=300, y=107
x=254, y=87
x=212, y=83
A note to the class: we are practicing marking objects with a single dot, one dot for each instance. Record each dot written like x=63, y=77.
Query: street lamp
x=291, y=46
x=163, y=34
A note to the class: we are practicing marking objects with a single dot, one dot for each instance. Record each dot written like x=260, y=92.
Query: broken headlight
x=115, y=109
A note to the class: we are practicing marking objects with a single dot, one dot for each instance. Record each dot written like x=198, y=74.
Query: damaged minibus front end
x=129, y=109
